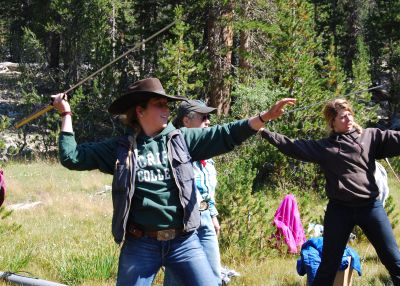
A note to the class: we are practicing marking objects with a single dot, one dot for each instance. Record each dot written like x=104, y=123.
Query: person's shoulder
x=370, y=131
x=373, y=133
x=328, y=140
x=190, y=132
x=376, y=129
x=325, y=139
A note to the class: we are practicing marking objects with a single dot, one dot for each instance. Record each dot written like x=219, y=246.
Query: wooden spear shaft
x=49, y=107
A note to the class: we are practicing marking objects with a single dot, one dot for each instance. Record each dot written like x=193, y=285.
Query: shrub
x=243, y=213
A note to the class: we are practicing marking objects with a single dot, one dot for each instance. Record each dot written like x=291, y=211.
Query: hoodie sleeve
x=205, y=143
x=87, y=156
x=387, y=143
x=304, y=150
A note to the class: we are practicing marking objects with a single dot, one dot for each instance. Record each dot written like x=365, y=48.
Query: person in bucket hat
x=155, y=213
x=193, y=113
x=196, y=114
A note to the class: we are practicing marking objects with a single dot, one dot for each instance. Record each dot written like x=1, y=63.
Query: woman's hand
x=274, y=112
x=277, y=110
x=59, y=101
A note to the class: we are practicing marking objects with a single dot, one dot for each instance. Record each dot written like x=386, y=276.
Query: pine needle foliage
x=178, y=69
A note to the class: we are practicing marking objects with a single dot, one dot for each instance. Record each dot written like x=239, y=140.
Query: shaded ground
x=8, y=107
x=8, y=90
x=12, y=140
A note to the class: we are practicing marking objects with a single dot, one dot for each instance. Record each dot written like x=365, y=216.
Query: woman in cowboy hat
x=155, y=212
x=347, y=159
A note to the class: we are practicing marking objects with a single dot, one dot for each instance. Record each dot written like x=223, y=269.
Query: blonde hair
x=331, y=110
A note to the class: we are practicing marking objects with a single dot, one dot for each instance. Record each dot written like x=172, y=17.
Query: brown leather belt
x=164, y=234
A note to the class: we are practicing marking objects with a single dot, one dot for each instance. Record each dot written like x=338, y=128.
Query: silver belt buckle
x=203, y=206
x=166, y=234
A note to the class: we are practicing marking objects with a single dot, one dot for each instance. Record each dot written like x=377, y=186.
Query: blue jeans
x=209, y=241
x=338, y=224
x=141, y=258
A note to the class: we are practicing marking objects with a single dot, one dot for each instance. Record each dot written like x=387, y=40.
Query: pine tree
x=176, y=68
x=383, y=39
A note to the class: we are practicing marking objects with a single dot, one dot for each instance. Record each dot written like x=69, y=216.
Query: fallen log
x=19, y=279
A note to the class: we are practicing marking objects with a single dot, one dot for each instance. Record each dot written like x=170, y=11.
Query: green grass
x=67, y=238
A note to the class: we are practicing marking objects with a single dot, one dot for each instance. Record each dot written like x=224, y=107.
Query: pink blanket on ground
x=288, y=224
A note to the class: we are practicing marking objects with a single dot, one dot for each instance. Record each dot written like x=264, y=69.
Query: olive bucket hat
x=140, y=91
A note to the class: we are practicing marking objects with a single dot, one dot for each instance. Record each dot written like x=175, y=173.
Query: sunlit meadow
x=65, y=234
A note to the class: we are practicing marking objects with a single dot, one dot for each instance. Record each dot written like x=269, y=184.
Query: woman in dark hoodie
x=347, y=158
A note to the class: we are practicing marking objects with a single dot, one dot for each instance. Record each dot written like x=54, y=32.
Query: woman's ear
x=139, y=111
x=186, y=121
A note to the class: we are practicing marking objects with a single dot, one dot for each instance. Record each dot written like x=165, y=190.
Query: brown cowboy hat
x=138, y=92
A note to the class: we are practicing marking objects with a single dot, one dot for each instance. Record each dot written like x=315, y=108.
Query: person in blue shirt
x=196, y=114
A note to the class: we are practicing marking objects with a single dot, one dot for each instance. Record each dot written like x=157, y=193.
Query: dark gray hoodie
x=347, y=160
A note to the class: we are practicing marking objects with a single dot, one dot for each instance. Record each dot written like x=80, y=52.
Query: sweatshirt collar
x=353, y=132
x=163, y=132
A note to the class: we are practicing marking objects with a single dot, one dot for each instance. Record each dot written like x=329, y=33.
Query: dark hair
x=178, y=121
x=130, y=117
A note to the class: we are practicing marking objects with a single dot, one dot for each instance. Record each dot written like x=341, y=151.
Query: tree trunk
x=220, y=41
x=244, y=45
x=15, y=41
x=54, y=50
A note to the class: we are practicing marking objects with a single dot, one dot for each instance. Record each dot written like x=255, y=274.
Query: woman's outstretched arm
x=274, y=112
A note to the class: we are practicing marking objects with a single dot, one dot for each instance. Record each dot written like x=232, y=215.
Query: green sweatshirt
x=156, y=202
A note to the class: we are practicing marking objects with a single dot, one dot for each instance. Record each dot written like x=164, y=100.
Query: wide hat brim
x=122, y=104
